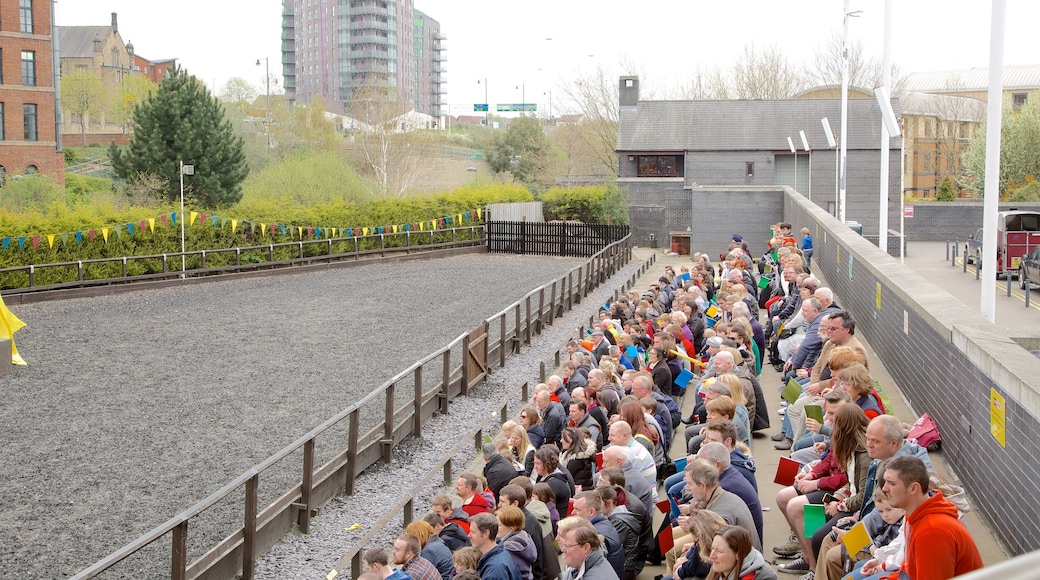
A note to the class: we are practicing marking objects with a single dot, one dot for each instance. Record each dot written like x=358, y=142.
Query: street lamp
x=185, y=170
x=486, y=103
x=523, y=98
x=550, y=105
x=267, y=114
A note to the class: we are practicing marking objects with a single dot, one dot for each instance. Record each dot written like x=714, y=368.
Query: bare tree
x=387, y=147
x=83, y=93
x=765, y=74
x=596, y=97
x=710, y=84
x=825, y=67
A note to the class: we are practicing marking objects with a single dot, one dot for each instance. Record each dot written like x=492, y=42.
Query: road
x=929, y=260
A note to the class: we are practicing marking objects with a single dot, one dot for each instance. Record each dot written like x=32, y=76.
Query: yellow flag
x=234, y=225
x=856, y=539
x=334, y=232
x=421, y=225
x=433, y=224
x=104, y=234
x=364, y=231
x=10, y=324
x=300, y=229
x=263, y=230
x=50, y=240
x=151, y=224
x=191, y=217
x=458, y=218
x=478, y=213
x=395, y=229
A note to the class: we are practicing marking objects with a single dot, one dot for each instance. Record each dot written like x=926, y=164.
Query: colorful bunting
x=151, y=224
x=50, y=240
x=104, y=234
x=192, y=216
x=36, y=241
x=93, y=233
x=130, y=228
x=234, y=226
x=79, y=237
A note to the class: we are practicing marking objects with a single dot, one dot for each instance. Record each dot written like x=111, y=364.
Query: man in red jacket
x=938, y=546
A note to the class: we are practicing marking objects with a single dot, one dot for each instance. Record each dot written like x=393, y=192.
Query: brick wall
x=945, y=359
x=941, y=221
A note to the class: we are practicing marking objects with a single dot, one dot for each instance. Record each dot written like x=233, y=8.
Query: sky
x=526, y=50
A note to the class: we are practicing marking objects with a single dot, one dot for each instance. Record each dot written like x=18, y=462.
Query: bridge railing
x=395, y=410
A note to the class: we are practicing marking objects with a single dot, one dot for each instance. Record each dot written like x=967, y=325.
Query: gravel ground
x=314, y=555
x=136, y=406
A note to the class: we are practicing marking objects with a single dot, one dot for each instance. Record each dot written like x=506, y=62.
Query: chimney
x=628, y=92
x=115, y=24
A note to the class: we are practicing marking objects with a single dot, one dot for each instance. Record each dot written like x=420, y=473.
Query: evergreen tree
x=181, y=121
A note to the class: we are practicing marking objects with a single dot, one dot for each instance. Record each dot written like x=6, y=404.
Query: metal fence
x=263, y=526
x=551, y=238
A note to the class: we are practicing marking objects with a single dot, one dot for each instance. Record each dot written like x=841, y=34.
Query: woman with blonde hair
x=521, y=450
x=696, y=548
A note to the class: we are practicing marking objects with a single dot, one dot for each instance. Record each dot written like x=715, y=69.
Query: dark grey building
x=715, y=168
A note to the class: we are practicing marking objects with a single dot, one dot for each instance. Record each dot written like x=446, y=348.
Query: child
x=806, y=246
x=887, y=549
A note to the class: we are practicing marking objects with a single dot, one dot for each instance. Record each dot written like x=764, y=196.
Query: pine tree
x=181, y=121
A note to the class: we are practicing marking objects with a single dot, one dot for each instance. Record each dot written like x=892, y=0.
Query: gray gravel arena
x=135, y=406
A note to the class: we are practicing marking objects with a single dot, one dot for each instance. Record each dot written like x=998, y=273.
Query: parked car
x=1029, y=269
x=1018, y=232
x=973, y=248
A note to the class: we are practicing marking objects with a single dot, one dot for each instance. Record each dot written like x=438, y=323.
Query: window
x=3, y=175
x=749, y=169
x=25, y=12
x=32, y=170
x=657, y=166
x=28, y=68
x=1018, y=100
x=29, y=118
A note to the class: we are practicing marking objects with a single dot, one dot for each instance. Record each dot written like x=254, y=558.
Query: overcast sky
x=540, y=45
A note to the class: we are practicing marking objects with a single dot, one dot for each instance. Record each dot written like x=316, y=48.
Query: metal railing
x=263, y=527
x=124, y=269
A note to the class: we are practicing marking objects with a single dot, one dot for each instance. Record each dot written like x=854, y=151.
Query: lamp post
x=486, y=103
x=842, y=156
x=184, y=170
x=550, y=105
x=523, y=98
x=267, y=102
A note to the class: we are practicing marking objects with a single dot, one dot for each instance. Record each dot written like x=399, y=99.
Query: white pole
x=843, y=169
x=182, y=219
x=886, y=142
x=805, y=145
x=902, y=199
x=994, y=111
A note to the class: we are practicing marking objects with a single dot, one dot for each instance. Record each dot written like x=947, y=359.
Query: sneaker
x=778, y=436
x=810, y=575
x=799, y=566
x=790, y=549
x=781, y=411
x=784, y=444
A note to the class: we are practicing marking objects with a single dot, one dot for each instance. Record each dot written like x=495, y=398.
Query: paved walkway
x=767, y=458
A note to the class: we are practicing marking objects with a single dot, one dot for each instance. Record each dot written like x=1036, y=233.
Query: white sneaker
x=782, y=411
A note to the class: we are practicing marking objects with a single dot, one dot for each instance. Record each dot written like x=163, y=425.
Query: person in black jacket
x=497, y=469
x=549, y=471
x=554, y=418
x=451, y=533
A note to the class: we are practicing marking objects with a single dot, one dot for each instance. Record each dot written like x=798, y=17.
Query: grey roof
x=945, y=107
x=78, y=41
x=974, y=79
x=745, y=125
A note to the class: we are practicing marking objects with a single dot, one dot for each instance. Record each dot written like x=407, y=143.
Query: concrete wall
x=946, y=360
x=956, y=220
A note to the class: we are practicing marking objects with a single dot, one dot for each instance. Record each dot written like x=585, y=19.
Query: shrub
x=587, y=203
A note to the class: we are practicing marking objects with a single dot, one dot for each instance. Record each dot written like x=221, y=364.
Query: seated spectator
x=695, y=561
x=543, y=492
x=516, y=541
x=377, y=562
x=465, y=559
x=579, y=451
x=495, y=563
x=532, y=423
x=453, y=536
x=407, y=555
x=734, y=556
x=468, y=487
x=498, y=467
x=433, y=548
x=548, y=470
x=442, y=506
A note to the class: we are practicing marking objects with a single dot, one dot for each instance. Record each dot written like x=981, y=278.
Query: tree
x=238, y=93
x=765, y=75
x=1019, y=151
x=596, y=97
x=183, y=122
x=386, y=146
x=134, y=89
x=946, y=191
x=82, y=93
x=523, y=151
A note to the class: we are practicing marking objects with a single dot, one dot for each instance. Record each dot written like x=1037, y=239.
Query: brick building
x=28, y=142
x=155, y=70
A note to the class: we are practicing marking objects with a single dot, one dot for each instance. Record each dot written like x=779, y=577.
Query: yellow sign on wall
x=877, y=295
x=997, y=417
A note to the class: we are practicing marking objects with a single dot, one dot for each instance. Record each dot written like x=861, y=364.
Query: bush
x=946, y=190
x=1029, y=191
x=587, y=203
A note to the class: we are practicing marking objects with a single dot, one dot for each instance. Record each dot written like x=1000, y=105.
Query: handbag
x=925, y=432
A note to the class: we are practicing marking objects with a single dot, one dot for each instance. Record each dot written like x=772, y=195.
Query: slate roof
x=973, y=79
x=946, y=107
x=78, y=41
x=745, y=125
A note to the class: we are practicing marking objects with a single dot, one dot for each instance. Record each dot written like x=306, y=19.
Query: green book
x=815, y=518
x=814, y=412
x=792, y=391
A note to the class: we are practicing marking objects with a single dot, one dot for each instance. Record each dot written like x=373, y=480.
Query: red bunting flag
x=310, y=232
x=36, y=241
x=91, y=233
x=162, y=218
x=202, y=218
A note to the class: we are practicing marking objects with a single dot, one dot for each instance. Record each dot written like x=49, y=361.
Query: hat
x=663, y=279
x=737, y=238
x=715, y=341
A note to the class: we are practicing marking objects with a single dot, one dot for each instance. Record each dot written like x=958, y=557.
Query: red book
x=665, y=540
x=599, y=462
x=664, y=506
x=786, y=471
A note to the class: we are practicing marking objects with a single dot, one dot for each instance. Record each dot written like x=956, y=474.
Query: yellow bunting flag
x=421, y=224
x=364, y=231
x=433, y=224
x=459, y=218
x=151, y=224
x=50, y=240
x=300, y=229
x=191, y=217
x=263, y=230
x=478, y=213
x=104, y=234
x=395, y=229
x=234, y=225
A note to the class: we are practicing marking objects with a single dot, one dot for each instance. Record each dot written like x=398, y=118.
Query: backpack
x=925, y=432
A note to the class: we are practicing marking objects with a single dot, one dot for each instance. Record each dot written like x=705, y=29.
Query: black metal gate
x=551, y=238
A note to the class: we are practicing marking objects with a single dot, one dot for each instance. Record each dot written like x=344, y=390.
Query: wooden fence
x=551, y=238
x=403, y=403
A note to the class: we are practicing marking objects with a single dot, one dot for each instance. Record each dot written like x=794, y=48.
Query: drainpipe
x=56, y=73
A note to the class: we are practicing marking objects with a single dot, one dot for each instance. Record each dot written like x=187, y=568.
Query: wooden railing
x=124, y=269
x=396, y=412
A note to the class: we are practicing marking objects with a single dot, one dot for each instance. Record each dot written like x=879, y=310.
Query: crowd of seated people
x=570, y=489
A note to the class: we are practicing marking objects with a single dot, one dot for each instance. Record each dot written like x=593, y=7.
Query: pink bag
x=925, y=432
